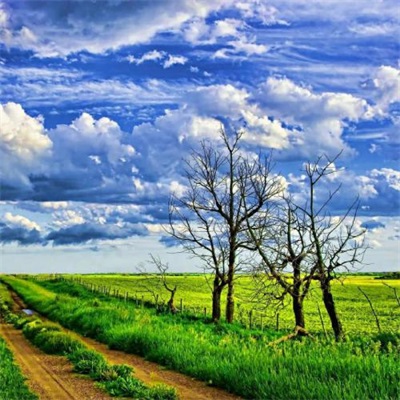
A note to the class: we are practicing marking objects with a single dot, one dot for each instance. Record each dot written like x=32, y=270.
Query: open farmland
x=194, y=293
x=233, y=357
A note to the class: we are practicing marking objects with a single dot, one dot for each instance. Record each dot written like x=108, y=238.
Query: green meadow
x=195, y=294
x=231, y=356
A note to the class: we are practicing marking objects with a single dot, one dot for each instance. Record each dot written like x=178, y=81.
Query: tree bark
x=216, y=300
x=170, y=303
x=298, y=311
x=297, y=297
x=331, y=309
x=230, y=302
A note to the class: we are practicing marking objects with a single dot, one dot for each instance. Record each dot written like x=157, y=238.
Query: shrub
x=33, y=328
x=56, y=342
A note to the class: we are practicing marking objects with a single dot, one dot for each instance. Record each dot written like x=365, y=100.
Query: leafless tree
x=286, y=267
x=154, y=283
x=337, y=241
x=210, y=219
x=303, y=238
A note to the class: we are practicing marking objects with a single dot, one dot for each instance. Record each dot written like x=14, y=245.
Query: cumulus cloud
x=378, y=190
x=59, y=164
x=320, y=117
x=19, y=229
x=24, y=144
x=386, y=83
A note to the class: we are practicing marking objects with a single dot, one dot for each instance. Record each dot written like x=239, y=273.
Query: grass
x=118, y=380
x=12, y=382
x=228, y=356
x=352, y=306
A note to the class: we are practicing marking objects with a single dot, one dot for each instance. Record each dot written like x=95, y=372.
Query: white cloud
x=320, y=117
x=387, y=87
x=260, y=11
x=172, y=60
x=54, y=87
x=24, y=144
x=96, y=27
x=17, y=221
x=153, y=55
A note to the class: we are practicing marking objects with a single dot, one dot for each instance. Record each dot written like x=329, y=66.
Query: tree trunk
x=297, y=298
x=230, y=302
x=170, y=303
x=331, y=309
x=298, y=311
x=216, y=300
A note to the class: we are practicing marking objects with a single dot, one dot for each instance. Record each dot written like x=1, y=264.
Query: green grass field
x=228, y=356
x=195, y=294
x=12, y=383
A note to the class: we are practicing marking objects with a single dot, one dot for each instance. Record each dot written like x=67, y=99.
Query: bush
x=33, y=328
x=162, y=392
x=56, y=342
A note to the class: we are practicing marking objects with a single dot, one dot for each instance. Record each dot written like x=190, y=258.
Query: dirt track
x=50, y=377
x=148, y=372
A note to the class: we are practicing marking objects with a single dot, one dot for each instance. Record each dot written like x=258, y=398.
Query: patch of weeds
x=56, y=342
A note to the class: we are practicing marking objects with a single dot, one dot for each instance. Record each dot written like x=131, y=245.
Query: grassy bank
x=12, y=382
x=229, y=357
x=353, y=308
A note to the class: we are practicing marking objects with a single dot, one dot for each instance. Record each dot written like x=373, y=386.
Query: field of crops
x=194, y=293
x=229, y=356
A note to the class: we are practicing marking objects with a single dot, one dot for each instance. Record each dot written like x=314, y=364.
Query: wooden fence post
x=277, y=321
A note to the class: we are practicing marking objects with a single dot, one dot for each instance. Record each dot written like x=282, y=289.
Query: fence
x=249, y=318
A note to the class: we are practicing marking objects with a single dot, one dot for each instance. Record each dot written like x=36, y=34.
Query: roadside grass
x=228, y=356
x=118, y=380
x=5, y=296
x=352, y=306
x=12, y=382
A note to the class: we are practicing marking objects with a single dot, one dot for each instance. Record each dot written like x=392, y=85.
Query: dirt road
x=51, y=377
x=150, y=372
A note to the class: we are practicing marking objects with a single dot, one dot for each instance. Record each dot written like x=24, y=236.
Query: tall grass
x=194, y=291
x=229, y=357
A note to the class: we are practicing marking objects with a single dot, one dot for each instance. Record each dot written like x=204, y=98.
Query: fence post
x=205, y=312
x=251, y=319
x=277, y=321
x=322, y=321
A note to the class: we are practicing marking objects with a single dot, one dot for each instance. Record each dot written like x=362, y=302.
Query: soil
x=147, y=371
x=50, y=377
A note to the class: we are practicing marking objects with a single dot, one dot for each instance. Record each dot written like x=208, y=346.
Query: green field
x=353, y=307
x=12, y=383
x=227, y=355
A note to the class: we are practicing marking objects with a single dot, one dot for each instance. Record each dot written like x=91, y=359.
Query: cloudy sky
x=101, y=100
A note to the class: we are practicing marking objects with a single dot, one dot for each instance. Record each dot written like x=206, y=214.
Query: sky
x=100, y=101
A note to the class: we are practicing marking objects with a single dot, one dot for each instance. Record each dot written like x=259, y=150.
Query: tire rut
x=149, y=372
x=51, y=377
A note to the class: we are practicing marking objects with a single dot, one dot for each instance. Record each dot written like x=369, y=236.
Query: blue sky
x=101, y=100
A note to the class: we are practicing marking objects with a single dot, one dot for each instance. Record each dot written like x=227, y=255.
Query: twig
x=372, y=308
x=395, y=292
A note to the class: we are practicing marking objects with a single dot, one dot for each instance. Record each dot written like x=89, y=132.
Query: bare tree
x=154, y=283
x=337, y=241
x=306, y=240
x=286, y=267
x=210, y=219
